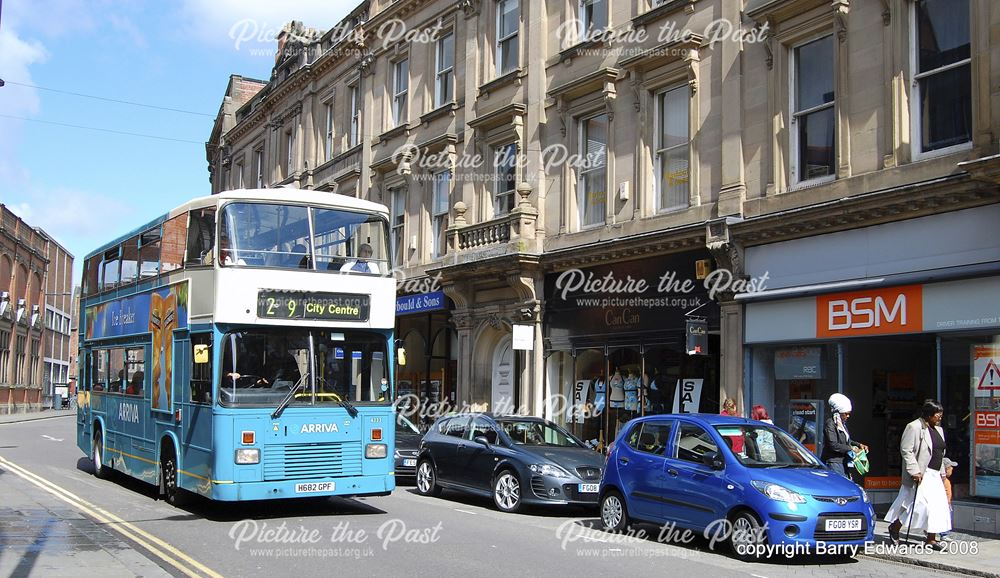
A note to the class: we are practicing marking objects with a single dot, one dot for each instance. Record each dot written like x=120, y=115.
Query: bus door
x=83, y=419
x=193, y=362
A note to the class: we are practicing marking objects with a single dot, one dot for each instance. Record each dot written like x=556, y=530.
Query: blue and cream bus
x=240, y=347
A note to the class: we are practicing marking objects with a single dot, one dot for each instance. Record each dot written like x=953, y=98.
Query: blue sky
x=85, y=187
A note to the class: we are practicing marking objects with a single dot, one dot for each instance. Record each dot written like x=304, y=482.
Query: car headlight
x=376, y=451
x=248, y=456
x=549, y=470
x=864, y=495
x=395, y=455
x=778, y=493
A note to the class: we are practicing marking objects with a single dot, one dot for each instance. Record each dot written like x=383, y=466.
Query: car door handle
x=623, y=461
x=672, y=472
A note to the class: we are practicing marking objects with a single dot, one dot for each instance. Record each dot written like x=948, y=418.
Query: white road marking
x=466, y=511
x=179, y=560
x=52, y=438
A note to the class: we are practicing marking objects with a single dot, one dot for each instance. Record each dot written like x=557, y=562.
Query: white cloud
x=16, y=57
x=222, y=22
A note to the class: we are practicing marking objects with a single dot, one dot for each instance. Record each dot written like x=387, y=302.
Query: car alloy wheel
x=427, y=479
x=613, y=514
x=507, y=491
x=746, y=536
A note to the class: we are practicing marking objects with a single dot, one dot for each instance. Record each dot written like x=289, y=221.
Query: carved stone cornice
x=942, y=195
x=687, y=238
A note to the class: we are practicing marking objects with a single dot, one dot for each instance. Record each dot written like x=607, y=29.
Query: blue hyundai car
x=744, y=481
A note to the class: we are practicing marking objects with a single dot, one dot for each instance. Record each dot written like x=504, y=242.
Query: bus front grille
x=312, y=461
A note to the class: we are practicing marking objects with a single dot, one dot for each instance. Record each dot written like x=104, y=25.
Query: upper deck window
x=299, y=237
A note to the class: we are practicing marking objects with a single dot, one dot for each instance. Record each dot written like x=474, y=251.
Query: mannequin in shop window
x=600, y=394
x=656, y=393
x=617, y=386
x=631, y=389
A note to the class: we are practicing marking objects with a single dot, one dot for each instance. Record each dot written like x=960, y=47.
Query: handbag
x=860, y=462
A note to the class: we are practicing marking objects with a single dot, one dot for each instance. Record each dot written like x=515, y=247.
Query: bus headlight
x=375, y=451
x=248, y=456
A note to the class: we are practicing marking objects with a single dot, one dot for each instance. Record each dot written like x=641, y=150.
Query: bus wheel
x=168, y=478
x=97, y=455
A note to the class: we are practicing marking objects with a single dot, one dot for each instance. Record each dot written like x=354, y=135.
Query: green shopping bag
x=860, y=462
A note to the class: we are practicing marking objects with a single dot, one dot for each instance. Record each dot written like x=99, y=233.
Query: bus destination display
x=309, y=305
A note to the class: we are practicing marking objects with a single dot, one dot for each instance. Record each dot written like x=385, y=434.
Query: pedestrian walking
x=838, y=447
x=922, y=502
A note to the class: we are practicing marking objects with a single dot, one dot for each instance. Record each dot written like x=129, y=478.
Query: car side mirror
x=482, y=440
x=713, y=460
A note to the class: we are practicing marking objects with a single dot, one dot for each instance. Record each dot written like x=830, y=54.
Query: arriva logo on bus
x=128, y=412
x=319, y=428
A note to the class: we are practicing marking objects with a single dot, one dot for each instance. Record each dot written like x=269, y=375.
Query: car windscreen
x=762, y=446
x=536, y=433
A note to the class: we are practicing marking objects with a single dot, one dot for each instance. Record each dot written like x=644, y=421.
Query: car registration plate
x=311, y=488
x=588, y=488
x=841, y=525
x=410, y=463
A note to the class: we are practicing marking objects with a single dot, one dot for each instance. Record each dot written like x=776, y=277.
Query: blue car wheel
x=747, y=536
x=614, y=514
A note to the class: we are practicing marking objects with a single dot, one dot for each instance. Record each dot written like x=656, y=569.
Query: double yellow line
x=172, y=556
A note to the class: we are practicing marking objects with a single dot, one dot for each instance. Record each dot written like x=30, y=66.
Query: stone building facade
x=799, y=148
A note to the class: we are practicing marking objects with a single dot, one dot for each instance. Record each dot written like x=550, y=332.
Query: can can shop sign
x=870, y=312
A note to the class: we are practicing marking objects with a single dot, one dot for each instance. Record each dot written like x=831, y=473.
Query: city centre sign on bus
x=883, y=311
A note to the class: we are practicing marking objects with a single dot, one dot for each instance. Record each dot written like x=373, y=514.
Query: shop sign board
x=986, y=370
x=798, y=363
x=581, y=389
x=882, y=311
x=687, y=396
x=986, y=440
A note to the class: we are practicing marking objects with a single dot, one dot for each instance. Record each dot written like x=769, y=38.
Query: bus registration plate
x=314, y=487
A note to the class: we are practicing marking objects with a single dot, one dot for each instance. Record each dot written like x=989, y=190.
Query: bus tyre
x=427, y=479
x=97, y=456
x=169, y=487
x=614, y=513
x=507, y=492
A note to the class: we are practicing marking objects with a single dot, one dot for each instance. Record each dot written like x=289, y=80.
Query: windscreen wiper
x=289, y=397
x=347, y=405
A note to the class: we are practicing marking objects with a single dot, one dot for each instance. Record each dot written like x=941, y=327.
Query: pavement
x=55, y=539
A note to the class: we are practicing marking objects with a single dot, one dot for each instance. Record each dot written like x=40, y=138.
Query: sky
x=86, y=187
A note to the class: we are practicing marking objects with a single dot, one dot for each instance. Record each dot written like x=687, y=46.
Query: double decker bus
x=240, y=347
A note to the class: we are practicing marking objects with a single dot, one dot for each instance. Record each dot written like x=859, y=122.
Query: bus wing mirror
x=401, y=356
x=201, y=353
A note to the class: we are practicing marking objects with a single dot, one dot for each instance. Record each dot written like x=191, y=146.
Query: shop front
x=888, y=340
x=426, y=382
x=615, y=343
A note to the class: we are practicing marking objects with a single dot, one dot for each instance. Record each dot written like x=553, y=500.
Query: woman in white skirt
x=923, y=449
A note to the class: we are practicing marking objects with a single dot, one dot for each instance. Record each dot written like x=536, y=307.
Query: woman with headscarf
x=838, y=448
x=922, y=502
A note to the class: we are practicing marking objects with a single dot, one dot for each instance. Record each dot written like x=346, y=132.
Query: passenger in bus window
x=135, y=384
x=361, y=264
x=225, y=254
x=299, y=257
